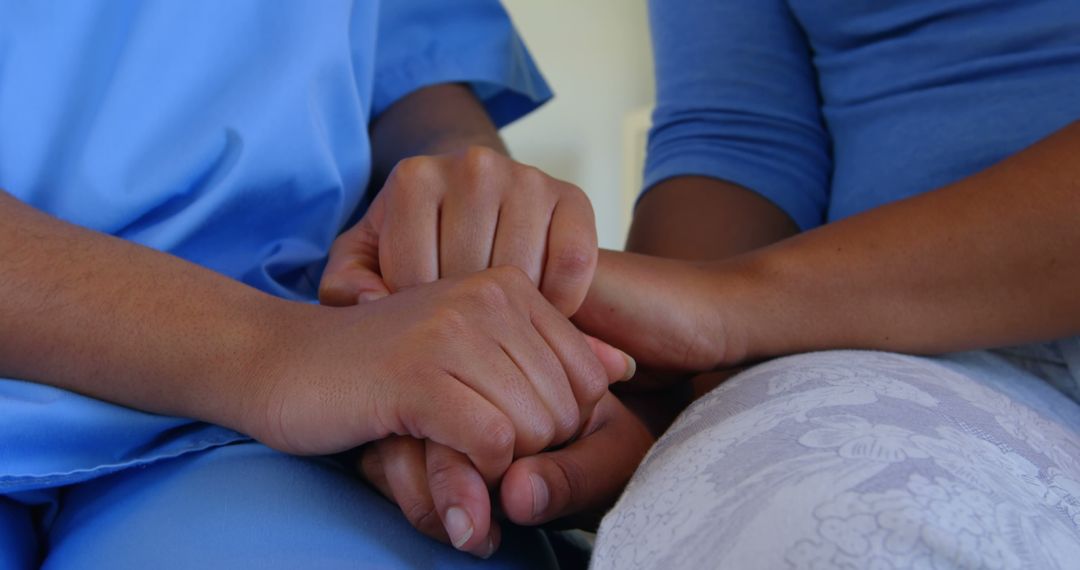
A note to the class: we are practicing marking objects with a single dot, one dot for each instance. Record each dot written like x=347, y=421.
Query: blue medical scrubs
x=234, y=135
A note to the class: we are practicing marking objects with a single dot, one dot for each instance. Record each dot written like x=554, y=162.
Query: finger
x=461, y=499
x=571, y=253
x=589, y=366
x=370, y=466
x=467, y=228
x=522, y=234
x=501, y=380
x=618, y=365
x=409, y=238
x=444, y=412
x=494, y=537
x=405, y=467
x=536, y=361
x=352, y=271
x=585, y=477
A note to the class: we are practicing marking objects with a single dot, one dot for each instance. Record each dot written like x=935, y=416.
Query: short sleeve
x=427, y=42
x=737, y=100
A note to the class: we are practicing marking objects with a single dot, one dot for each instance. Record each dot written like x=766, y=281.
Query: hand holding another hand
x=571, y=486
x=455, y=215
x=481, y=364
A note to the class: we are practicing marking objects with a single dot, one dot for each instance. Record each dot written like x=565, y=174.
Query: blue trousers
x=239, y=506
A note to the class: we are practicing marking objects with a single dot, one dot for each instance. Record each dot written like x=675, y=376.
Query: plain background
x=597, y=57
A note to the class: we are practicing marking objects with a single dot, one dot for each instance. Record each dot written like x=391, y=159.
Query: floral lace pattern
x=851, y=459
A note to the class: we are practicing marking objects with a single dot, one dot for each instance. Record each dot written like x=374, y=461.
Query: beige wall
x=596, y=56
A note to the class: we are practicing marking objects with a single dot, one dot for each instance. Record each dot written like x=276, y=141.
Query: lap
x=850, y=459
x=246, y=506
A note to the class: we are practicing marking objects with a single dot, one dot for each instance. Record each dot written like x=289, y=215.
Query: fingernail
x=459, y=526
x=540, y=495
x=631, y=367
x=369, y=296
x=489, y=550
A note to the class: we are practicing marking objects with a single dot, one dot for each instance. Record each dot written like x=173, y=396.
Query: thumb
x=582, y=480
x=352, y=274
x=618, y=365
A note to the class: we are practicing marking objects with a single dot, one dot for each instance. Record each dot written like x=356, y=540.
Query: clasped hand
x=464, y=272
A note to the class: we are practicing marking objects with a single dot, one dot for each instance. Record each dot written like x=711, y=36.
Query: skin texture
x=113, y=315
x=987, y=261
x=454, y=214
x=457, y=209
x=482, y=364
x=580, y=481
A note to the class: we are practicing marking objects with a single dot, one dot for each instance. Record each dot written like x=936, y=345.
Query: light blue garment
x=231, y=134
x=240, y=506
x=829, y=107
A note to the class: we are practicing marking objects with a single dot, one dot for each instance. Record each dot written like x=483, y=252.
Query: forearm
x=434, y=120
x=990, y=260
x=95, y=314
x=651, y=306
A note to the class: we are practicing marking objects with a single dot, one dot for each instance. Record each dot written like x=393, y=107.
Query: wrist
x=260, y=341
x=732, y=310
x=668, y=314
x=764, y=313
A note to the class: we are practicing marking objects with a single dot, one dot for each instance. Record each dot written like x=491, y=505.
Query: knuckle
x=512, y=277
x=499, y=435
x=566, y=421
x=575, y=195
x=488, y=290
x=421, y=513
x=448, y=322
x=441, y=474
x=575, y=479
x=411, y=180
x=594, y=383
x=543, y=432
x=413, y=168
x=481, y=161
x=530, y=176
x=574, y=261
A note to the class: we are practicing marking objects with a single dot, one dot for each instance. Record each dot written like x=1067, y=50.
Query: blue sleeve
x=426, y=42
x=737, y=100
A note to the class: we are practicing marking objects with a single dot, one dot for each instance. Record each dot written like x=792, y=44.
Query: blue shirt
x=231, y=134
x=830, y=107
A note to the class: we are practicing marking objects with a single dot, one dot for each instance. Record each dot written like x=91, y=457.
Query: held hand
x=443, y=495
x=456, y=214
x=483, y=365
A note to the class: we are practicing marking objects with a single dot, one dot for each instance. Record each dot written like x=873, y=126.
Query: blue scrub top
x=831, y=107
x=231, y=134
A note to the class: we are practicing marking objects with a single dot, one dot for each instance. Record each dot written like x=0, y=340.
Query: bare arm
x=124, y=323
x=988, y=261
x=130, y=325
x=699, y=219
x=991, y=260
x=95, y=314
x=451, y=204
